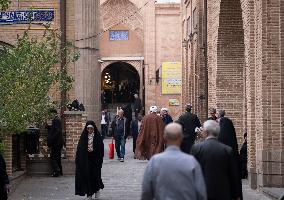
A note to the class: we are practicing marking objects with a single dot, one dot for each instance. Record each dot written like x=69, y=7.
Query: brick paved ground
x=122, y=182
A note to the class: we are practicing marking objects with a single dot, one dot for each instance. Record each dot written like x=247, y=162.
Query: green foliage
x=28, y=71
x=4, y=4
x=2, y=147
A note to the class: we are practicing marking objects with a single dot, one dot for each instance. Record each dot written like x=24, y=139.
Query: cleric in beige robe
x=150, y=139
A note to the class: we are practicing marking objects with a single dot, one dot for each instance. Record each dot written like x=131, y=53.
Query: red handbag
x=111, y=150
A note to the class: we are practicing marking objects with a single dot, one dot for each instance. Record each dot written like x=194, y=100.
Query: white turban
x=153, y=109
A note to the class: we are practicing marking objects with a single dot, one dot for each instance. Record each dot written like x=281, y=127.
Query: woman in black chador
x=89, y=160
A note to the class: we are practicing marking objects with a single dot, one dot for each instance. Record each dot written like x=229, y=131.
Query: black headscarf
x=88, y=165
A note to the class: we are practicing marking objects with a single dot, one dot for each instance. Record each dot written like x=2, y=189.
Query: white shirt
x=103, y=120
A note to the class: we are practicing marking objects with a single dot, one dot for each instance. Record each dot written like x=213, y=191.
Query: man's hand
x=129, y=137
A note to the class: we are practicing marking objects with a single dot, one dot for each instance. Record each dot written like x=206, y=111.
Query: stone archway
x=230, y=76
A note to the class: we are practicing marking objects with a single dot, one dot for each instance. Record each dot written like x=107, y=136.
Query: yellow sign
x=171, y=78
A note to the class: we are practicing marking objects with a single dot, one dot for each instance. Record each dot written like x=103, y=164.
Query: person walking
x=218, y=164
x=120, y=134
x=127, y=110
x=89, y=160
x=164, y=169
x=137, y=105
x=104, y=123
x=4, y=180
x=150, y=139
x=167, y=119
x=135, y=127
x=55, y=143
x=228, y=137
x=244, y=158
x=189, y=123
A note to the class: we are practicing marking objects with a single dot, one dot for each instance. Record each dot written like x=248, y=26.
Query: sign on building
x=171, y=78
x=118, y=35
x=26, y=16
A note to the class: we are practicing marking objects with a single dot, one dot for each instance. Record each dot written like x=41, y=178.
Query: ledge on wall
x=274, y=193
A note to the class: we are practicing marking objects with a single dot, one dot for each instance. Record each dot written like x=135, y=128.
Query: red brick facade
x=245, y=62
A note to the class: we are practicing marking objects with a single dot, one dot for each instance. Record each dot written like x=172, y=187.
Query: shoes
x=89, y=198
x=55, y=175
x=97, y=195
x=61, y=173
x=121, y=159
x=118, y=159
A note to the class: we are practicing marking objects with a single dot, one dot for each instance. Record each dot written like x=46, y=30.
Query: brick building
x=129, y=36
x=244, y=40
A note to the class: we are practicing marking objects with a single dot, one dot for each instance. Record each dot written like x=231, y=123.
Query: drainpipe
x=63, y=55
x=206, y=55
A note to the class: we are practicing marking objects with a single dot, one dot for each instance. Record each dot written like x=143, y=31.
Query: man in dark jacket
x=137, y=105
x=135, y=127
x=4, y=180
x=55, y=143
x=244, y=158
x=189, y=123
x=218, y=165
x=167, y=119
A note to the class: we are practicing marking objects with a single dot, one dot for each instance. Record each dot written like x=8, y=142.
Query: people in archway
x=212, y=113
x=167, y=119
x=189, y=122
x=119, y=134
x=137, y=105
x=150, y=139
x=228, y=137
x=89, y=160
x=135, y=127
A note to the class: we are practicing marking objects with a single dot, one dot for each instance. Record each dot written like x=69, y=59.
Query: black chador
x=88, y=179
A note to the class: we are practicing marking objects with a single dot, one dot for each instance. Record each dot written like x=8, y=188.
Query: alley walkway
x=122, y=182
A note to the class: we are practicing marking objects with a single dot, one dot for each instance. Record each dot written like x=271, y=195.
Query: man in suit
x=164, y=169
x=189, y=122
x=218, y=165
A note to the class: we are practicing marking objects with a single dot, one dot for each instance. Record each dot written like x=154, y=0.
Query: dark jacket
x=127, y=112
x=55, y=137
x=219, y=169
x=244, y=160
x=3, y=178
x=114, y=127
x=167, y=119
x=189, y=122
x=88, y=165
x=134, y=128
x=137, y=104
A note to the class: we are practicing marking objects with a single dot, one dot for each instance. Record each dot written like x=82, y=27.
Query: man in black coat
x=244, y=158
x=4, y=180
x=218, y=165
x=55, y=143
x=189, y=122
x=137, y=105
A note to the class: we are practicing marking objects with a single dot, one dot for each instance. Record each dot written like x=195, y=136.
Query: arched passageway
x=120, y=81
x=231, y=63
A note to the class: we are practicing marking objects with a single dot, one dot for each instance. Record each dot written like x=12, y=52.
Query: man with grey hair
x=164, y=169
x=217, y=163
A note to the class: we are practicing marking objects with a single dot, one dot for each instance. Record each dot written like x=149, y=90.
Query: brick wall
x=245, y=57
x=75, y=123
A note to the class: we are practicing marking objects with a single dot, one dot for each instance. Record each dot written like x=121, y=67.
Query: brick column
x=75, y=122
